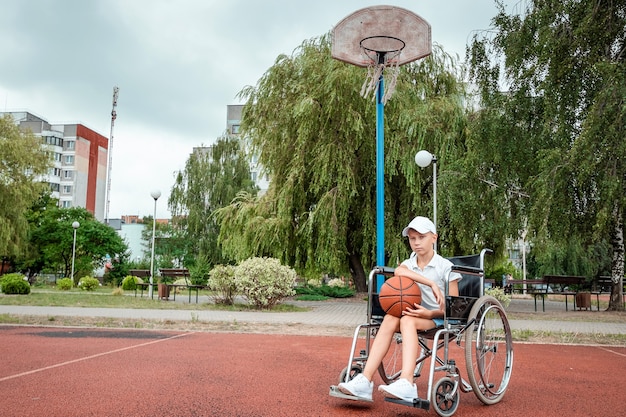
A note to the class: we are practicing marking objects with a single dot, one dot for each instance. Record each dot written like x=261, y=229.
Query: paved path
x=339, y=313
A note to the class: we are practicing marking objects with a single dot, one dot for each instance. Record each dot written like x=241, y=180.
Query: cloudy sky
x=178, y=64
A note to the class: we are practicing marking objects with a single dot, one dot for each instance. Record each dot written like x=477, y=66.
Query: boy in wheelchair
x=430, y=271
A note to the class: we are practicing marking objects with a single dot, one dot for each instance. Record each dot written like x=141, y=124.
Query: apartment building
x=78, y=175
x=233, y=123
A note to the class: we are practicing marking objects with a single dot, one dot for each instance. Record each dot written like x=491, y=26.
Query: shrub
x=264, y=281
x=499, y=294
x=222, y=283
x=129, y=283
x=88, y=283
x=199, y=272
x=117, y=291
x=14, y=284
x=65, y=284
x=326, y=291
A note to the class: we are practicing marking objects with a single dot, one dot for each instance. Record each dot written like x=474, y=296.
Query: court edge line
x=91, y=357
x=612, y=351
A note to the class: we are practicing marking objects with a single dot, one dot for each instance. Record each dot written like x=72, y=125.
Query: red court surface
x=105, y=372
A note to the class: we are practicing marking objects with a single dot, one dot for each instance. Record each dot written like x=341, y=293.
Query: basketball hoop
x=381, y=39
x=381, y=53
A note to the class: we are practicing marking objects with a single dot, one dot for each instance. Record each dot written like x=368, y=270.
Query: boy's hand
x=418, y=311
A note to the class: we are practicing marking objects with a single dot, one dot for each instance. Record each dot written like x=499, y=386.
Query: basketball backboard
x=382, y=29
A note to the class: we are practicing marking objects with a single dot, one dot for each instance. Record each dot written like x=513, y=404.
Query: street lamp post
x=155, y=194
x=75, y=225
x=423, y=159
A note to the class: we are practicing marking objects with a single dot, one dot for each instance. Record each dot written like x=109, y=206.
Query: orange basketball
x=398, y=293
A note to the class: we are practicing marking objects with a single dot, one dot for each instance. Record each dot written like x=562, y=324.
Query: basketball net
x=388, y=64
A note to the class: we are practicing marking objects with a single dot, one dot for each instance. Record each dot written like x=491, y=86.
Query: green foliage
x=222, y=282
x=65, y=284
x=119, y=268
x=199, y=271
x=264, y=281
x=325, y=291
x=88, y=284
x=552, y=146
x=52, y=237
x=23, y=161
x=211, y=179
x=14, y=284
x=129, y=283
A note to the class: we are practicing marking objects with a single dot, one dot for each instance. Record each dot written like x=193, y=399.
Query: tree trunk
x=358, y=273
x=616, y=302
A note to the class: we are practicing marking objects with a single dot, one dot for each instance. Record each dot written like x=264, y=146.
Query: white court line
x=612, y=351
x=90, y=357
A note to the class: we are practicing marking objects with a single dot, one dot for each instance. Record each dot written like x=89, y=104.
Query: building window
x=54, y=186
x=67, y=189
x=253, y=175
x=69, y=159
x=68, y=175
x=70, y=145
x=66, y=204
x=234, y=129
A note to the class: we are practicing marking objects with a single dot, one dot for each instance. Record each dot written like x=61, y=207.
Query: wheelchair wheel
x=354, y=371
x=489, y=350
x=445, y=398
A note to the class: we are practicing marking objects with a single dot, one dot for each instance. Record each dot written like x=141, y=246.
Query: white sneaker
x=359, y=386
x=401, y=389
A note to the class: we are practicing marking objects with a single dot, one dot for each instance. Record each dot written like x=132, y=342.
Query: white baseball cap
x=420, y=224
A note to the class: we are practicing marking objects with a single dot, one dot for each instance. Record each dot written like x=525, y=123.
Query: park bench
x=144, y=274
x=177, y=273
x=557, y=285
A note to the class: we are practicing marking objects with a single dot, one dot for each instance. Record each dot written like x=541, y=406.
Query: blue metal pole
x=380, y=179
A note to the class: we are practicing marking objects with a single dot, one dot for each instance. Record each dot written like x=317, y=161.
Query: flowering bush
x=336, y=282
x=314, y=282
x=65, y=284
x=264, y=281
x=88, y=283
x=222, y=282
x=498, y=294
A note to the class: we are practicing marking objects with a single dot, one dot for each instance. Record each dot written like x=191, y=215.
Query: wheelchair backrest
x=472, y=283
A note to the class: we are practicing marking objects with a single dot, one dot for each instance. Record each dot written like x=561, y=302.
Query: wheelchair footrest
x=334, y=392
x=416, y=403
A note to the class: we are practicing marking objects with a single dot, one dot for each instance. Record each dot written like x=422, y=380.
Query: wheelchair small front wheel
x=354, y=371
x=445, y=398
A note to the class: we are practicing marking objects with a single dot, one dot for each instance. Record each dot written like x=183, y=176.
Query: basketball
x=398, y=293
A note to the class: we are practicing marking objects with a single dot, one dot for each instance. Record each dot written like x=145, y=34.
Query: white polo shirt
x=437, y=270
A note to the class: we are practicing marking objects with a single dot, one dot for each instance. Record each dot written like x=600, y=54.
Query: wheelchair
x=476, y=323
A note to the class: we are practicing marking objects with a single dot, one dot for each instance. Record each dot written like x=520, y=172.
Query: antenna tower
x=116, y=91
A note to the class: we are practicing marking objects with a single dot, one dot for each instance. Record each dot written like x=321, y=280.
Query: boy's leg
x=362, y=385
x=404, y=388
x=380, y=346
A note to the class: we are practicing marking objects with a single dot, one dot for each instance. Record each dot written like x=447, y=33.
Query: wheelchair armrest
x=384, y=270
x=467, y=269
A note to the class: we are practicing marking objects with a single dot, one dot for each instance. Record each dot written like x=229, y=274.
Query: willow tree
x=211, y=179
x=23, y=161
x=557, y=135
x=315, y=135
